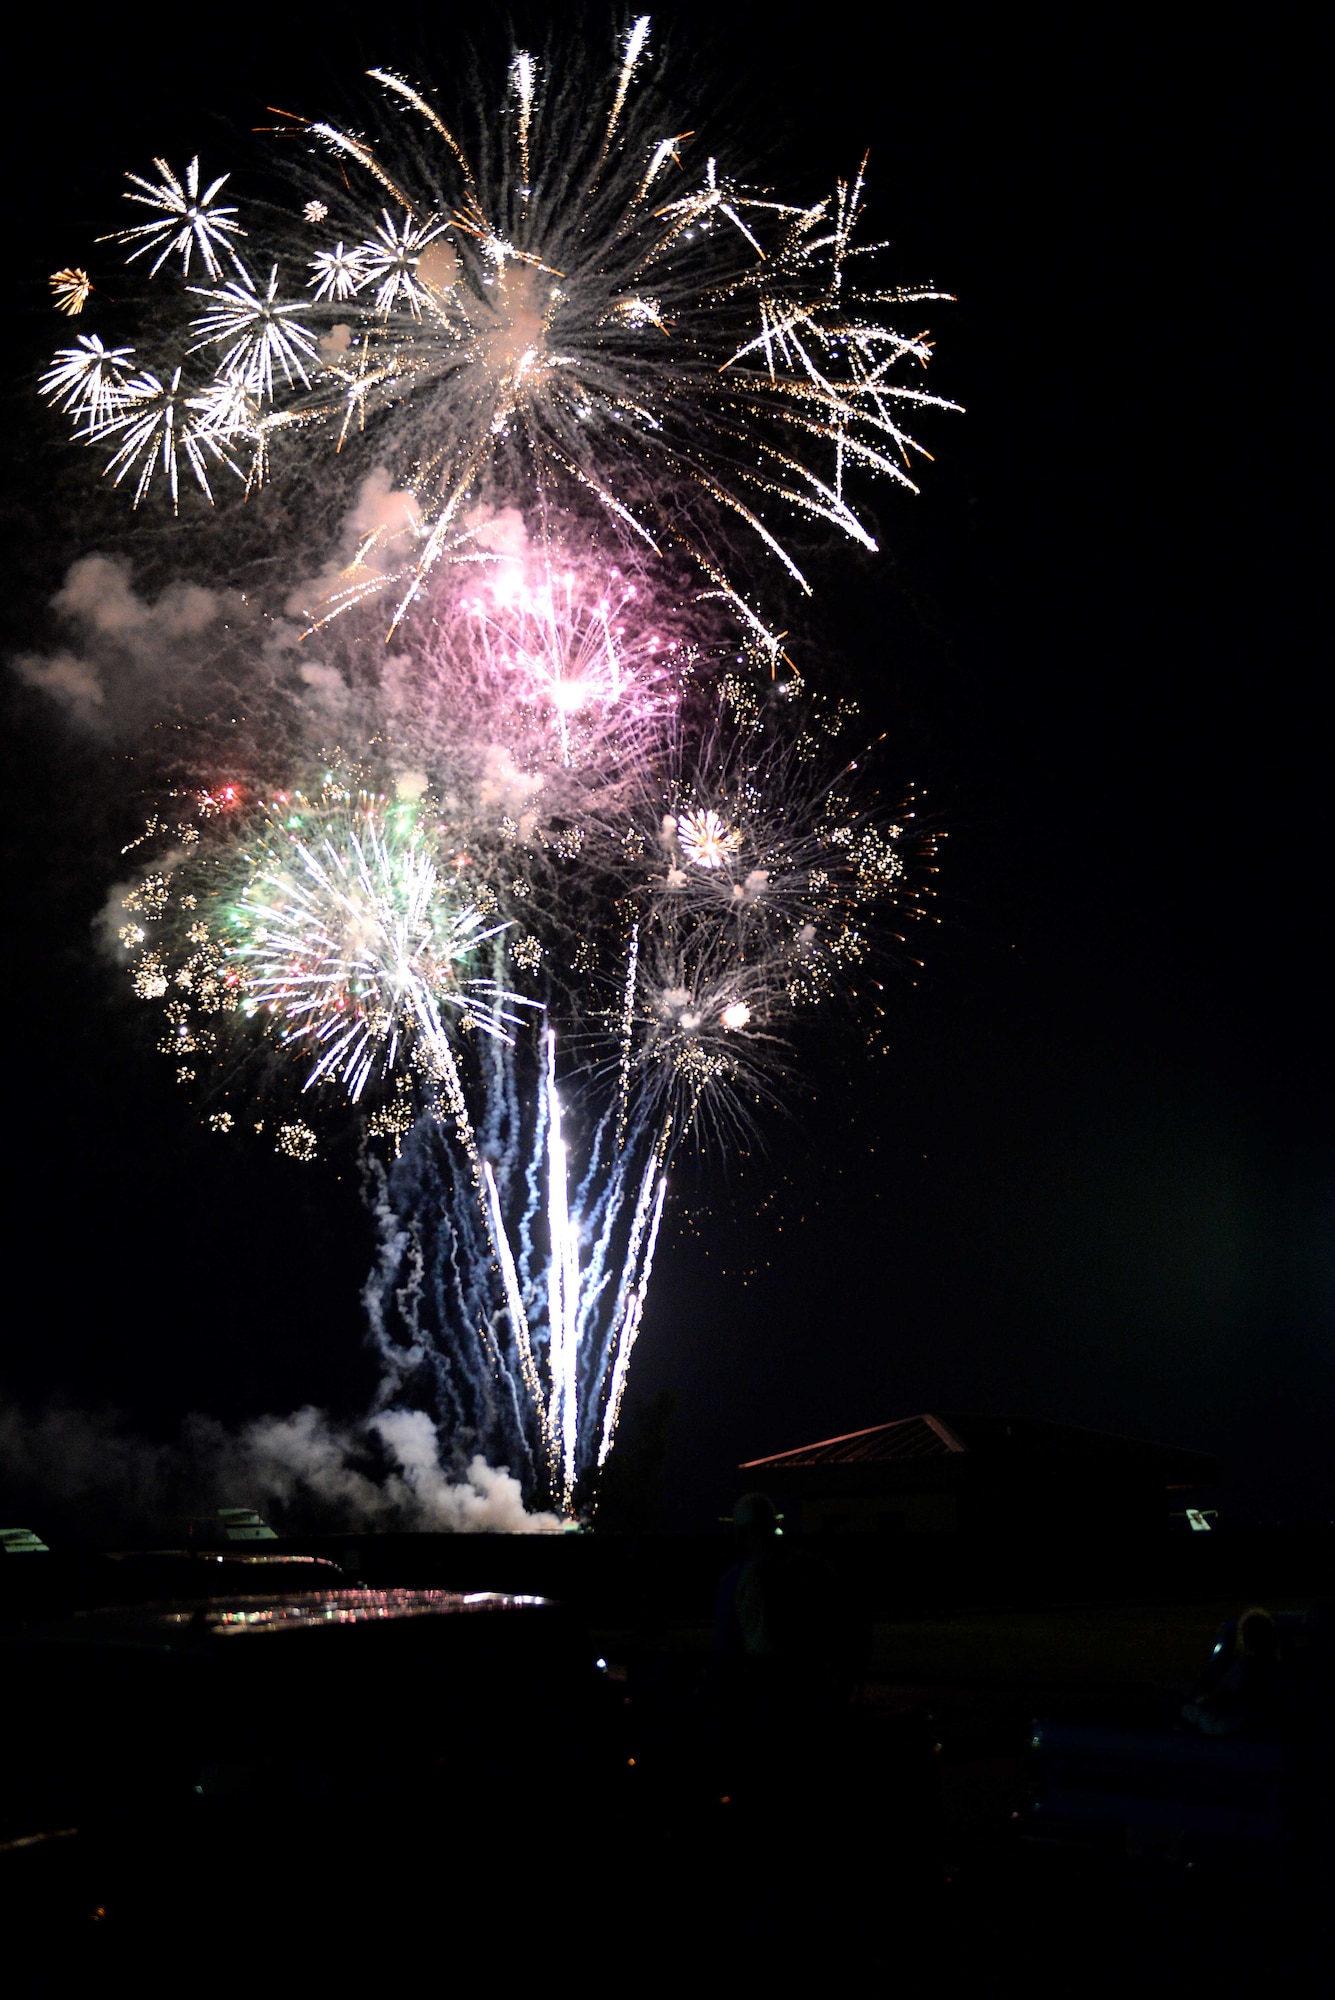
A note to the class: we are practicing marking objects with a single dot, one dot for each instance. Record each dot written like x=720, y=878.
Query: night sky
x=1092, y=1179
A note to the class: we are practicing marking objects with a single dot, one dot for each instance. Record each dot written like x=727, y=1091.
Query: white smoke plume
x=72, y=683
x=382, y=510
x=500, y=530
x=126, y=650
x=378, y=534
x=382, y=532
x=226, y=684
x=303, y=1470
x=504, y=787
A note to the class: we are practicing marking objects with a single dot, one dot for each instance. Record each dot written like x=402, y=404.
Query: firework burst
x=185, y=220
x=571, y=660
x=70, y=291
x=582, y=862
x=579, y=301
x=338, y=925
x=348, y=937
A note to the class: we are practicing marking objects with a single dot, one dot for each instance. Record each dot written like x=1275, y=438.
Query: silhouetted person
x=1243, y=1693
x=777, y=1605
x=782, y=1659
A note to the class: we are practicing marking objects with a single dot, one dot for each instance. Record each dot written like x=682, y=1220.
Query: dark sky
x=1093, y=1178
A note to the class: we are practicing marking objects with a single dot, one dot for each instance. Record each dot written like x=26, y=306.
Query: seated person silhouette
x=1243, y=1691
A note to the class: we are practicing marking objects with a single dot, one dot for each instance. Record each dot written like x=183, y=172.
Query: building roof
x=1032, y=1441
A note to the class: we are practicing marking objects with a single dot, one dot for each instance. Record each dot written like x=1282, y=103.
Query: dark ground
x=690, y=1823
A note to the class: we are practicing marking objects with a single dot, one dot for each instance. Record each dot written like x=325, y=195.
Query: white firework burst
x=389, y=260
x=228, y=409
x=706, y=840
x=157, y=427
x=71, y=290
x=336, y=273
x=187, y=220
x=706, y=1048
x=258, y=333
x=88, y=379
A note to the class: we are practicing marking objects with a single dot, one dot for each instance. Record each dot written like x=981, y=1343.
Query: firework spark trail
x=513, y=1296
x=599, y=1403
x=630, y=1324
x=565, y=1285
x=497, y=1145
x=600, y=1199
x=562, y=1286
x=627, y=1032
x=636, y=38
x=432, y=1275
x=575, y=1284
x=400, y=1280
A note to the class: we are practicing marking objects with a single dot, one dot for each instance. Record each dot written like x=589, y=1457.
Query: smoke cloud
x=88, y=1473
x=500, y=530
x=377, y=536
x=213, y=680
x=128, y=651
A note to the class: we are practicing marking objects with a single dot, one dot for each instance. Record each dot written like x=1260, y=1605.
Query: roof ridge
x=819, y=1444
x=947, y=1436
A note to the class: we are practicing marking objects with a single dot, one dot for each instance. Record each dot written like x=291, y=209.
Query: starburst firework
x=257, y=334
x=89, y=380
x=71, y=291
x=580, y=294
x=186, y=220
x=349, y=939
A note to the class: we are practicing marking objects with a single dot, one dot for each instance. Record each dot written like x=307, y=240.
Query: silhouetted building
x=956, y=1474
